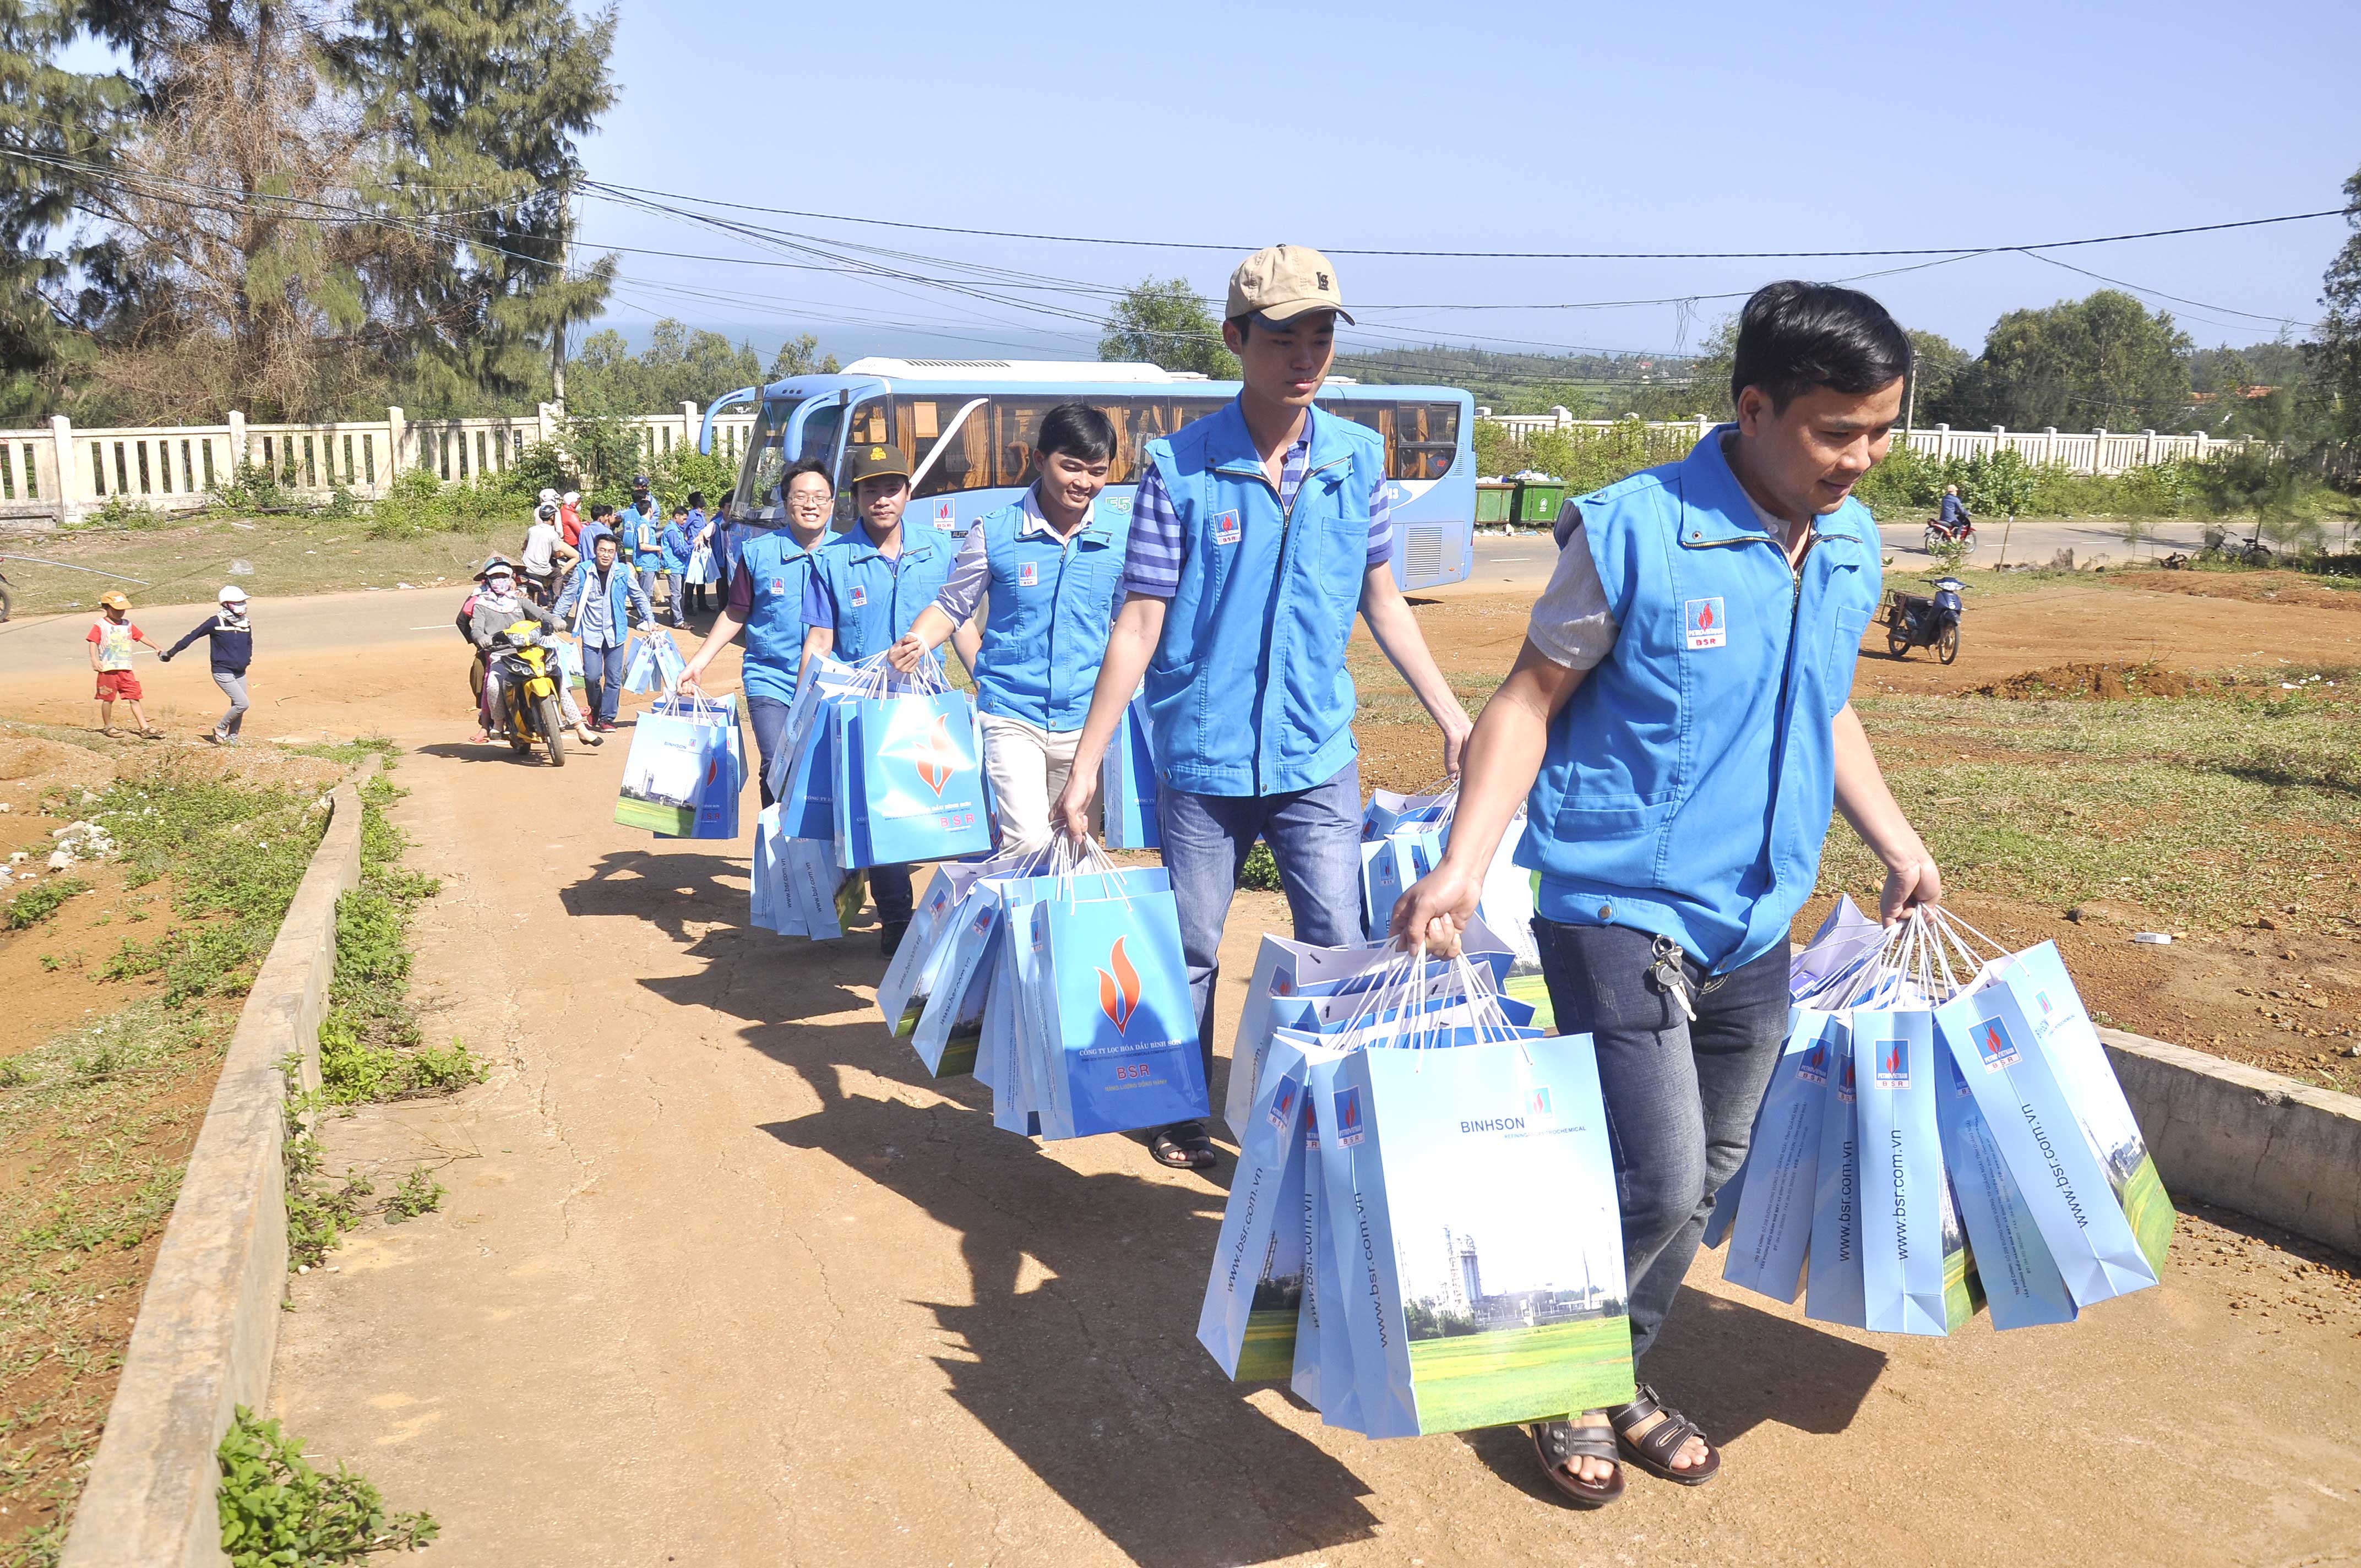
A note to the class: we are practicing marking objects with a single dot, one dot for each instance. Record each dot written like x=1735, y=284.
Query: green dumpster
x=1495, y=503
x=1538, y=500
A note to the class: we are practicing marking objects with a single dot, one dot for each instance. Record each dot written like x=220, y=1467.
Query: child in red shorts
x=111, y=639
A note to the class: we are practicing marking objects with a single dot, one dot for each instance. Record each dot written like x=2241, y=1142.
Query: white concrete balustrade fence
x=61, y=475
x=2084, y=452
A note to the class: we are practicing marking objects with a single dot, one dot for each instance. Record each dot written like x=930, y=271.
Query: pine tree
x=483, y=101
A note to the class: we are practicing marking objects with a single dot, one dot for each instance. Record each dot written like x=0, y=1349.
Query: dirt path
x=723, y=1278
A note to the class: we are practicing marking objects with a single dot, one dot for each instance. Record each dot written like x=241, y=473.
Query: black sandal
x=1560, y=1444
x=1182, y=1146
x=1652, y=1451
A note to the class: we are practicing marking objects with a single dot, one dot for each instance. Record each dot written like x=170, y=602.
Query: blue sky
x=1705, y=126
x=1702, y=127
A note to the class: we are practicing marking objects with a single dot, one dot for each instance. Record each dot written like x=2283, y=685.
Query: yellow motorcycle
x=528, y=710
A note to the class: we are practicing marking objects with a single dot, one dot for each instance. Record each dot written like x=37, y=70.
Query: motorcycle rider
x=1954, y=519
x=497, y=606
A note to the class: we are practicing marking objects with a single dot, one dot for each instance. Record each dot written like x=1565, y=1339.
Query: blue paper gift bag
x=1255, y=1295
x=2020, y=1279
x=1127, y=783
x=1901, y=1172
x=1124, y=1030
x=1771, y=1227
x=1833, y=1290
x=1469, y=1306
x=911, y=784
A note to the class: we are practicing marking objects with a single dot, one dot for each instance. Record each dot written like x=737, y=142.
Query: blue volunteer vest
x=779, y=568
x=646, y=536
x=1687, y=783
x=1045, y=626
x=585, y=583
x=1247, y=692
x=875, y=604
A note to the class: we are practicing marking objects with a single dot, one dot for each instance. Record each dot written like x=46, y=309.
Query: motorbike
x=1940, y=535
x=1920, y=620
x=528, y=710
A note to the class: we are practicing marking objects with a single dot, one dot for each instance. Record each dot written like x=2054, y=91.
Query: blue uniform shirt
x=1050, y=607
x=871, y=599
x=770, y=595
x=1688, y=782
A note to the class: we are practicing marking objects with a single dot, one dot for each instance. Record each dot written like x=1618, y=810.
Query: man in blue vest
x=602, y=603
x=767, y=599
x=1678, y=727
x=1257, y=535
x=643, y=536
x=865, y=591
x=1049, y=570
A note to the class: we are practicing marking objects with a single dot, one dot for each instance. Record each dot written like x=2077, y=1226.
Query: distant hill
x=1593, y=385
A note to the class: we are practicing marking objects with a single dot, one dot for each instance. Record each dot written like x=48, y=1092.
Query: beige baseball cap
x=1281, y=282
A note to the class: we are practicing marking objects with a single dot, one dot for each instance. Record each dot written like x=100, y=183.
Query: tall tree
x=800, y=355
x=1167, y=324
x=483, y=102
x=2103, y=361
x=54, y=126
x=2337, y=353
x=1936, y=363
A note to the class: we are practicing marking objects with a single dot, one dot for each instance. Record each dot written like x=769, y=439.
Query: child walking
x=232, y=639
x=111, y=637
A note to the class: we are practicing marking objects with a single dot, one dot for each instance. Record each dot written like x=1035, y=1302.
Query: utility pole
x=565, y=268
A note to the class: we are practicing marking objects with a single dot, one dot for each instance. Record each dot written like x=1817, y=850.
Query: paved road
x=391, y=618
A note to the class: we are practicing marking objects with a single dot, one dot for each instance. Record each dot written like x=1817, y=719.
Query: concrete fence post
x=397, y=430
x=236, y=444
x=546, y=413
x=2202, y=439
x=2099, y=450
x=1942, y=439
x=2147, y=447
x=62, y=438
x=691, y=416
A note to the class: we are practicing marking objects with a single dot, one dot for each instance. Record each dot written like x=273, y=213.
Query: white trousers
x=1028, y=768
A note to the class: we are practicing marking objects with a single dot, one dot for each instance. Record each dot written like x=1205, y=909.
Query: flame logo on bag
x=1348, y=1117
x=1894, y=1067
x=1814, y=1067
x=1537, y=1105
x=1119, y=990
x=1845, y=1083
x=940, y=756
x=1994, y=1045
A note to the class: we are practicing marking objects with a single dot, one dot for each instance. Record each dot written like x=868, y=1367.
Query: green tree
x=1936, y=363
x=56, y=123
x=2336, y=355
x=797, y=358
x=2103, y=360
x=1167, y=324
x=482, y=102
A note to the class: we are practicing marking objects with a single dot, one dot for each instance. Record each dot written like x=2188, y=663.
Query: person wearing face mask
x=1049, y=571
x=232, y=646
x=498, y=605
x=767, y=601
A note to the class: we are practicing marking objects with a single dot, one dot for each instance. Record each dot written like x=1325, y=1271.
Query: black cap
x=875, y=462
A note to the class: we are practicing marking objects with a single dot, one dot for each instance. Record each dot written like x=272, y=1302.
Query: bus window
x=966, y=463
x=757, y=496
x=1138, y=422
x=1425, y=443
x=870, y=425
x=1015, y=427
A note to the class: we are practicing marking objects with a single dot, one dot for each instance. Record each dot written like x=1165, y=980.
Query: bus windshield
x=767, y=458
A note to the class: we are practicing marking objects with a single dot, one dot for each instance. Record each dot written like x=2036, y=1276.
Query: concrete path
x=722, y=1278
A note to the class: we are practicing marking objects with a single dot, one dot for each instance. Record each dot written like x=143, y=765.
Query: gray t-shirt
x=1572, y=624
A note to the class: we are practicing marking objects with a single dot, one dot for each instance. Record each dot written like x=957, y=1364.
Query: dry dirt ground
x=722, y=1277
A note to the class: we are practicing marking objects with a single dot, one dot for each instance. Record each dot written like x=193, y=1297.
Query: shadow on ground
x=1093, y=1378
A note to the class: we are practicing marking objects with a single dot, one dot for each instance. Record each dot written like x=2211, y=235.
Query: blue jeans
x=1680, y=1096
x=1314, y=835
x=889, y=890
x=602, y=680
x=769, y=717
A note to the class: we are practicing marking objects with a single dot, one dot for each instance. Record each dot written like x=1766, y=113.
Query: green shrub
x=251, y=489
x=417, y=1193
x=1260, y=872
x=37, y=903
x=278, y=1511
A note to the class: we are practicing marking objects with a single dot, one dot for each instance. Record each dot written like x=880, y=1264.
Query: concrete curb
x=209, y=1320
x=2241, y=1138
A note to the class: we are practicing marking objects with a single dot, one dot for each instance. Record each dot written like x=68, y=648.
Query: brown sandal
x=1560, y=1444
x=1653, y=1450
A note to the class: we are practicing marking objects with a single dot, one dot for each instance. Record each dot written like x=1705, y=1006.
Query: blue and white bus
x=967, y=426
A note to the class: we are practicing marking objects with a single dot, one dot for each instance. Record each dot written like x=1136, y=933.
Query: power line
x=1485, y=255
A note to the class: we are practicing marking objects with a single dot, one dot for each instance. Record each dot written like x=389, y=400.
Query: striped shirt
x=1152, y=565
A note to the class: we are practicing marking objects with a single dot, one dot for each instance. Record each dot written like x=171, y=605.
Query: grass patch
x=2202, y=811
x=417, y=1193
x=351, y=754
x=37, y=903
x=278, y=1510
x=369, y=1040
x=97, y=1123
x=235, y=854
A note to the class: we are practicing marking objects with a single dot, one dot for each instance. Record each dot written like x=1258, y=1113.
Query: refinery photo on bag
x=1477, y=1305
